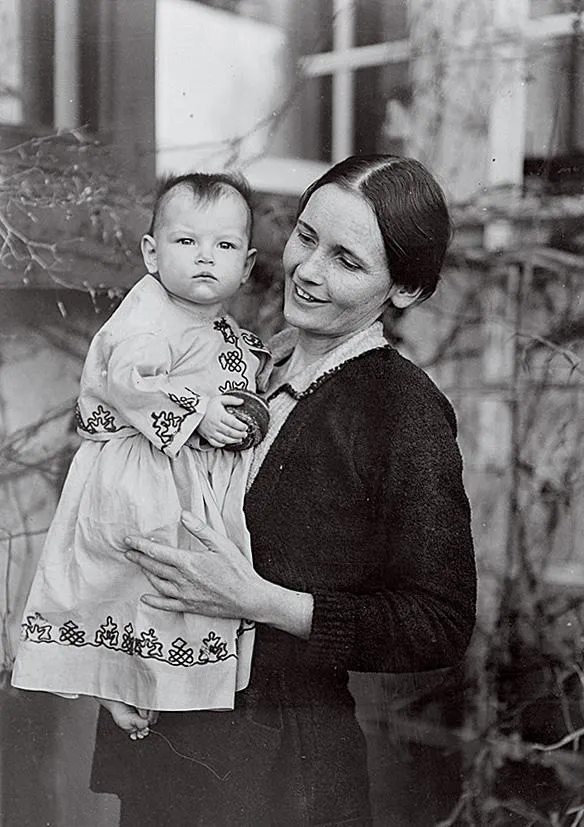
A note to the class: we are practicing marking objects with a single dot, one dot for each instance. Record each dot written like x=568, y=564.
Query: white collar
x=308, y=380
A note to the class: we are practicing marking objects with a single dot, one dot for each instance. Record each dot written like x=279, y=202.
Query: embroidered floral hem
x=148, y=683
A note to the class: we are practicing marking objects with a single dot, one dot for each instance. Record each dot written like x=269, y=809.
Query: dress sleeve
x=422, y=615
x=263, y=355
x=141, y=386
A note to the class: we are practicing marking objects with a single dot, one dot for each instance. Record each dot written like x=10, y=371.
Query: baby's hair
x=205, y=187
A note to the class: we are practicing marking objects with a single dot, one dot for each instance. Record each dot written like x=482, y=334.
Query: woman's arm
x=216, y=580
x=287, y=610
x=421, y=613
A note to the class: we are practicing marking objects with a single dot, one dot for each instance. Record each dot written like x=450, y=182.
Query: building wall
x=46, y=742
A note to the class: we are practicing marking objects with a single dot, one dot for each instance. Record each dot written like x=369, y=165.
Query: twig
x=563, y=742
x=199, y=761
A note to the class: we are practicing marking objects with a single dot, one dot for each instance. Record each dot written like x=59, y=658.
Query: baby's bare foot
x=135, y=722
x=151, y=715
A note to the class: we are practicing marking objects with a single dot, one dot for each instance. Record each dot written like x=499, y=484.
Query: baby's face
x=200, y=248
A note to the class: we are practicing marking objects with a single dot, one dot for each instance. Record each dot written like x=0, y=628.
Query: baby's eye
x=186, y=241
x=226, y=245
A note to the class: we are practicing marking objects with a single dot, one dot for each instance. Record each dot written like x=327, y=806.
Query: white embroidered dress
x=146, y=382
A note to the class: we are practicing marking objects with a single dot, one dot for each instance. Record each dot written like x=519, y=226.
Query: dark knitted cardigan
x=360, y=502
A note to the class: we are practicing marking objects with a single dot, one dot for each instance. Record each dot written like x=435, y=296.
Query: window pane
x=382, y=98
x=10, y=63
x=26, y=62
x=547, y=128
x=311, y=26
x=377, y=22
x=314, y=112
x=38, y=56
x=205, y=124
x=89, y=55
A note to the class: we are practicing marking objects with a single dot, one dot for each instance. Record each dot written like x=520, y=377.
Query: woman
x=360, y=531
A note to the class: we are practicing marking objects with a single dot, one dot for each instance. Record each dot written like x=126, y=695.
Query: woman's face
x=336, y=275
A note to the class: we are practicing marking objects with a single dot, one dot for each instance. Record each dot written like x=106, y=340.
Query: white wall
x=218, y=75
x=547, y=99
x=36, y=380
x=47, y=742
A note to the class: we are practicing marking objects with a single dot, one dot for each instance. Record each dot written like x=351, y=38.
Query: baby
x=158, y=413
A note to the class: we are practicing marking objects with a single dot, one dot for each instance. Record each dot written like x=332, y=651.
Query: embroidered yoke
x=147, y=379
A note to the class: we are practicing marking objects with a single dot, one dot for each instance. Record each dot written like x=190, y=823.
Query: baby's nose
x=205, y=255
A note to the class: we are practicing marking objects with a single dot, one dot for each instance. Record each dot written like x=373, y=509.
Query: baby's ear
x=404, y=297
x=148, y=248
x=250, y=260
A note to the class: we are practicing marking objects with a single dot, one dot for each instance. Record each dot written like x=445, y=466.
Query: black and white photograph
x=291, y=413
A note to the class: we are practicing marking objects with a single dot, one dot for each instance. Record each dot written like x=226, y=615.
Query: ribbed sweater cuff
x=333, y=630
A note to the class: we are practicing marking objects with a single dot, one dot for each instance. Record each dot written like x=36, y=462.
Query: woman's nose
x=310, y=269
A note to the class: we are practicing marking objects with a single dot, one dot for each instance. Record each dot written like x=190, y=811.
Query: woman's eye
x=304, y=237
x=349, y=264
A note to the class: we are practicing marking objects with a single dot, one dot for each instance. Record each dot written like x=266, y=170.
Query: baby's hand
x=220, y=427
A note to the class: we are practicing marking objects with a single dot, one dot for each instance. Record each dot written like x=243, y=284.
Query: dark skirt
x=288, y=756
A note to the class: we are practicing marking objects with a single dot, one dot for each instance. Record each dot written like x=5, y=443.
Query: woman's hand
x=216, y=580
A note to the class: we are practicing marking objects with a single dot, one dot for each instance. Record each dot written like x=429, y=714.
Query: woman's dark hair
x=410, y=209
x=205, y=187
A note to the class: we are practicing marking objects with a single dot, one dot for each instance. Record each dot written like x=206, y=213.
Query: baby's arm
x=142, y=386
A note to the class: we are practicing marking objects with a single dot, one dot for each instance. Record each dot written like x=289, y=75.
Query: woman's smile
x=305, y=296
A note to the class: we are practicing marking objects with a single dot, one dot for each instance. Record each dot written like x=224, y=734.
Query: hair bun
x=255, y=413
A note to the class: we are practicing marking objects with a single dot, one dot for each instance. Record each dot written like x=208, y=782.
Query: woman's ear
x=148, y=248
x=403, y=297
